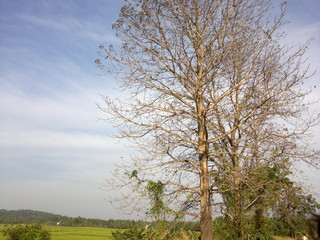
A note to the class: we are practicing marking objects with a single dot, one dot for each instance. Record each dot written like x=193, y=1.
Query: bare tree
x=211, y=96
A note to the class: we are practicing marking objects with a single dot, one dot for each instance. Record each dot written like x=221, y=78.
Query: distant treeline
x=37, y=217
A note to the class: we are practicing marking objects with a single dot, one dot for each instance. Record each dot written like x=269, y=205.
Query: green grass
x=79, y=233
x=82, y=233
x=76, y=233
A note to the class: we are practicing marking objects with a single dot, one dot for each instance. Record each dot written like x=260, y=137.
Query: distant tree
x=212, y=97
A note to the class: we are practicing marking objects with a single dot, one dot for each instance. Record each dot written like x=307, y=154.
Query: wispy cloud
x=53, y=149
x=54, y=153
x=53, y=139
x=57, y=24
x=69, y=25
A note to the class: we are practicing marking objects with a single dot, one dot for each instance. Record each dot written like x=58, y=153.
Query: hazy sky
x=54, y=154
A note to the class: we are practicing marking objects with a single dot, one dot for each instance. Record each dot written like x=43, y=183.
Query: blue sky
x=54, y=154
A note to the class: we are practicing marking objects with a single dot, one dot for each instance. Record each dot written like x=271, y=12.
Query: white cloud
x=53, y=139
x=54, y=154
x=46, y=22
x=42, y=112
x=70, y=25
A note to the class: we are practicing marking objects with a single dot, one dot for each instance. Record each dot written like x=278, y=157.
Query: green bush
x=260, y=235
x=159, y=232
x=222, y=229
x=26, y=232
x=134, y=233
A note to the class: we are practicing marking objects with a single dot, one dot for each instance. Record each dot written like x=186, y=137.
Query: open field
x=80, y=233
x=85, y=233
x=75, y=233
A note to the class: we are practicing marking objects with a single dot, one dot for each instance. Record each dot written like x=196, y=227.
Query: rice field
x=80, y=233
x=85, y=233
x=76, y=233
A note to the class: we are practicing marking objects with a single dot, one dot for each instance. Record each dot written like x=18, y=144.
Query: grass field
x=82, y=233
x=79, y=233
x=76, y=233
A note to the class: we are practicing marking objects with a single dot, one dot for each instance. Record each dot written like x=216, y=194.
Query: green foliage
x=259, y=234
x=134, y=174
x=26, y=232
x=134, y=233
x=271, y=204
x=162, y=230
x=222, y=229
x=156, y=190
x=292, y=210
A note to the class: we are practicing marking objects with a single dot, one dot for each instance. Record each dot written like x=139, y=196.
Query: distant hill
x=38, y=217
x=27, y=214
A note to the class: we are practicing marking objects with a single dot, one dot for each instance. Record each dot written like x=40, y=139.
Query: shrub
x=260, y=235
x=184, y=235
x=134, y=233
x=26, y=232
x=222, y=229
x=160, y=232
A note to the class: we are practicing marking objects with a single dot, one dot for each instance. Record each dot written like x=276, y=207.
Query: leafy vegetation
x=274, y=228
x=26, y=232
x=285, y=213
x=162, y=230
x=273, y=205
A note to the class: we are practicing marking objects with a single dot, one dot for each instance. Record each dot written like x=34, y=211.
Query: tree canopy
x=212, y=99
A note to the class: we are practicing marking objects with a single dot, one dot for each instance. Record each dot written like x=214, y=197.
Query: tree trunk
x=238, y=222
x=205, y=201
x=205, y=198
